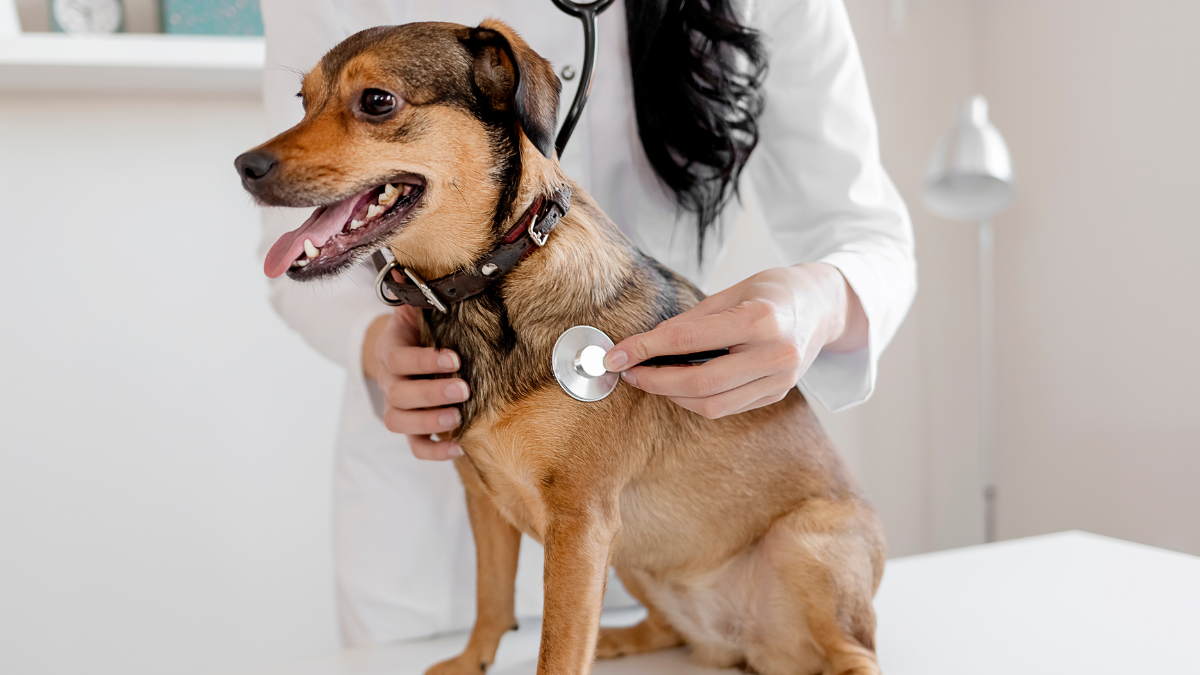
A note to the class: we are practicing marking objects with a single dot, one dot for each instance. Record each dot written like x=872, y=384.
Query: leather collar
x=396, y=285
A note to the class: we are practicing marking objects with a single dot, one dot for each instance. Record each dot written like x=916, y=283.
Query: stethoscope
x=586, y=13
x=578, y=356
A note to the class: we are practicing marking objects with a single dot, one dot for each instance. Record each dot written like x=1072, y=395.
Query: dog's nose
x=254, y=165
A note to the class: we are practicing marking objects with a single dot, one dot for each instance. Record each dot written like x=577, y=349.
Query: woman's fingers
x=421, y=422
x=424, y=447
x=418, y=407
x=715, y=377
x=715, y=331
x=409, y=361
x=765, y=390
x=409, y=394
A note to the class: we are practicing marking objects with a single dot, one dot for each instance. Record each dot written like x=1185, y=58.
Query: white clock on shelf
x=87, y=16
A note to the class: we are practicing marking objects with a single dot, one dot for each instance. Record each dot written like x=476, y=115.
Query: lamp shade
x=970, y=175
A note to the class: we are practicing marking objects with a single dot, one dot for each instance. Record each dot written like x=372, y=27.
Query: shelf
x=40, y=62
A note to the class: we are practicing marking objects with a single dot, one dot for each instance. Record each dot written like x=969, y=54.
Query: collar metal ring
x=381, y=285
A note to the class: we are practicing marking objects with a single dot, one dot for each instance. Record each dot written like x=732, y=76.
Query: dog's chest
x=499, y=365
x=518, y=500
x=510, y=464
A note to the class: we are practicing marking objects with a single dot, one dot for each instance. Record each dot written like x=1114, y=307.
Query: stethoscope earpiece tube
x=574, y=359
x=685, y=359
x=586, y=13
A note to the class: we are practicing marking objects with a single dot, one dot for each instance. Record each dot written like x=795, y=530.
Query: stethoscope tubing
x=586, y=13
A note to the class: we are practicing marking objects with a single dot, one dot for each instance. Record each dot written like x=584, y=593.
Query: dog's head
x=424, y=137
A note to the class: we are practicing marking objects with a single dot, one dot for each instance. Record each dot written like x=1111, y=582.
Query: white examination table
x=1068, y=603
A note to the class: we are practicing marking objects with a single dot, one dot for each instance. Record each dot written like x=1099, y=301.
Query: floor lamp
x=970, y=178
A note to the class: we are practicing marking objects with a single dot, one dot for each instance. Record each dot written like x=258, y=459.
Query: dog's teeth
x=373, y=210
x=355, y=224
x=310, y=250
x=300, y=263
x=388, y=194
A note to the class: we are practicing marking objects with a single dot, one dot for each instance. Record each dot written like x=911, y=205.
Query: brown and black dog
x=744, y=536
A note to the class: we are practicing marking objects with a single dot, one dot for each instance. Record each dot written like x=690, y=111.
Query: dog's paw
x=616, y=642
x=610, y=646
x=459, y=665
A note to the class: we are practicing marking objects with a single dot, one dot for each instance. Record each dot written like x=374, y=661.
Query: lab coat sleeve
x=331, y=315
x=821, y=188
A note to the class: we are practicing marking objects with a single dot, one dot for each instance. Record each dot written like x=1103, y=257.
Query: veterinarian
x=663, y=167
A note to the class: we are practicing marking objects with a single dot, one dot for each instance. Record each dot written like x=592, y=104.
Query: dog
x=745, y=537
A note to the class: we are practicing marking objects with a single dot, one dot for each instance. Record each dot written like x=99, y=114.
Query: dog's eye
x=378, y=102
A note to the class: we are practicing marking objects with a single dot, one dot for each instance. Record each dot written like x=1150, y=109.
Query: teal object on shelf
x=212, y=17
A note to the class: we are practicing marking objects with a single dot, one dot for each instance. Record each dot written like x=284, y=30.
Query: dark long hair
x=697, y=92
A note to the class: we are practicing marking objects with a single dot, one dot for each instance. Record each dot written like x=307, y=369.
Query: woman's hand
x=417, y=407
x=774, y=324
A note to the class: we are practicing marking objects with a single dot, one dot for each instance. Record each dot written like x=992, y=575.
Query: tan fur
x=744, y=536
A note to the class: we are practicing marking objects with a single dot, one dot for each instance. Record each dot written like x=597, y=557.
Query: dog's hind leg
x=652, y=634
x=497, y=544
x=825, y=559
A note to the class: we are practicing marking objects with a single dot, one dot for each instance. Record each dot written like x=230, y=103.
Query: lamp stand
x=987, y=378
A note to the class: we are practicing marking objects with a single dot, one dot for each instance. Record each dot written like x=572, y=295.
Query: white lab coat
x=405, y=558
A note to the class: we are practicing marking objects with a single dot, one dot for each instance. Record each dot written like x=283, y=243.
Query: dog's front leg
x=578, y=550
x=497, y=544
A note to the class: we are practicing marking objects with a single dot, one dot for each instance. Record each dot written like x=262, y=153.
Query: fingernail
x=448, y=361
x=615, y=359
x=457, y=391
x=455, y=450
x=629, y=377
x=450, y=418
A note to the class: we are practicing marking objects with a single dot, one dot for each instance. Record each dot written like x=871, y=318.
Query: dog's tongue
x=325, y=222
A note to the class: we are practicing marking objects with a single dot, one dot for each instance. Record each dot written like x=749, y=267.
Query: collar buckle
x=426, y=290
x=539, y=239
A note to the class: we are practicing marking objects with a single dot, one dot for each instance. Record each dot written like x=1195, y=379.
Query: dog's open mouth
x=338, y=233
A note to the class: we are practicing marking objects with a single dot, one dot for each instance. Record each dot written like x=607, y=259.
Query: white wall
x=1099, y=285
x=1098, y=281
x=165, y=441
x=919, y=434
x=1098, y=266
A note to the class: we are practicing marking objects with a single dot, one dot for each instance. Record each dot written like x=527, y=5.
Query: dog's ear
x=515, y=78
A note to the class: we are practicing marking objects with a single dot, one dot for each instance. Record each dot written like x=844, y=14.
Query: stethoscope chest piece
x=578, y=363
